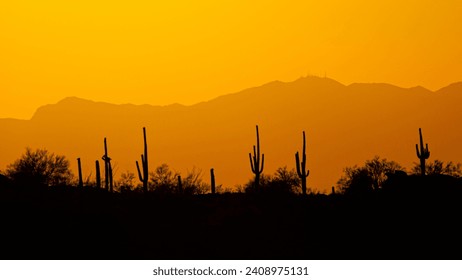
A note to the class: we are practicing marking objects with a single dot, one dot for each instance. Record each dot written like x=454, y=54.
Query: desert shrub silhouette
x=282, y=181
x=438, y=167
x=193, y=184
x=367, y=178
x=166, y=181
x=126, y=183
x=163, y=180
x=40, y=168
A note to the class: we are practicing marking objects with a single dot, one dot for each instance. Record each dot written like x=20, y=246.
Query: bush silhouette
x=193, y=184
x=282, y=181
x=369, y=177
x=438, y=167
x=40, y=168
x=163, y=180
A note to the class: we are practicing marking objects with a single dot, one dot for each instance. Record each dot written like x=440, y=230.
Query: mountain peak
x=72, y=99
x=420, y=89
x=452, y=88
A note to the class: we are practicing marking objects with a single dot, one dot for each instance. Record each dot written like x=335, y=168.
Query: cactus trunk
x=111, y=181
x=212, y=181
x=108, y=182
x=98, y=175
x=80, y=173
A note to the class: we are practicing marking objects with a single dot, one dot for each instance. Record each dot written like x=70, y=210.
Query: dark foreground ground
x=421, y=222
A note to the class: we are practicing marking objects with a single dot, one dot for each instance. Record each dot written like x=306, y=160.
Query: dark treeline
x=376, y=211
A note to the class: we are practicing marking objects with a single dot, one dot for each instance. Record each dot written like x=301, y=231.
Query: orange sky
x=191, y=51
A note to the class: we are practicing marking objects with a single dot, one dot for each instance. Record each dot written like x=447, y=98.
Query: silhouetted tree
x=285, y=180
x=126, y=182
x=369, y=177
x=282, y=181
x=163, y=180
x=438, y=167
x=40, y=168
x=193, y=184
x=263, y=182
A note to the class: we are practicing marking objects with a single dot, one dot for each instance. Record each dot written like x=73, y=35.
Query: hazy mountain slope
x=345, y=125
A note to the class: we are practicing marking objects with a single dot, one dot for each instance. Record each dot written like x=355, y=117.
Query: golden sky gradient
x=161, y=52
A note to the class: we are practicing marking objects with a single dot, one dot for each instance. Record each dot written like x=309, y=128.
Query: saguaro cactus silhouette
x=98, y=175
x=301, y=166
x=144, y=177
x=79, y=165
x=108, y=183
x=257, y=169
x=212, y=181
x=422, y=154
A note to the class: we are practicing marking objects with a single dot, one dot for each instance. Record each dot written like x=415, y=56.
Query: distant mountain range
x=345, y=125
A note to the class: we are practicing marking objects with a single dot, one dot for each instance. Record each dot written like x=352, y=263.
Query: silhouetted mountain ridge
x=345, y=125
x=454, y=88
x=303, y=85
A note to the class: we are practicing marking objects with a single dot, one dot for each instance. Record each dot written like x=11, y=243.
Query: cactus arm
x=251, y=163
x=262, y=163
x=139, y=172
x=297, y=164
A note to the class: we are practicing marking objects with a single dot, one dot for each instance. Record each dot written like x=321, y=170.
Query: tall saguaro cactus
x=144, y=176
x=423, y=153
x=79, y=165
x=108, y=183
x=212, y=181
x=98, y=175
x=301, y=166
x=257, y=161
